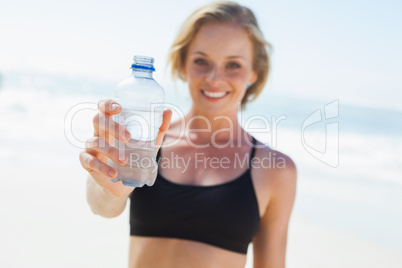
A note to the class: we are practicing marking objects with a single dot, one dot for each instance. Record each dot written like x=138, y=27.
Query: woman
x=205, y=211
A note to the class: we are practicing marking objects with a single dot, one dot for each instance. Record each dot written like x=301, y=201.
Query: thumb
x=167, y=117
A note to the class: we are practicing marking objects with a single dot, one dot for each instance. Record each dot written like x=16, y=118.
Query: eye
x=233, y=65
x=200, y=62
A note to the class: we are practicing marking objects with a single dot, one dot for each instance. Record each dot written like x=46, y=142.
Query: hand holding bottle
x=100, y=148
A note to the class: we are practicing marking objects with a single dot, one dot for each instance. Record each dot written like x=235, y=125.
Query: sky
x=344, y=50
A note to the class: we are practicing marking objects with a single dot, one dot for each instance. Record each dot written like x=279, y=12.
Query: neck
x=204, y=126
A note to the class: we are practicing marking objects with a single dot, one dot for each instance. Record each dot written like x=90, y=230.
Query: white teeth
x=214, y=94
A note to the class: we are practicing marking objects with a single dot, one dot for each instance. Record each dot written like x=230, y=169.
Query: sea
x=348, y=156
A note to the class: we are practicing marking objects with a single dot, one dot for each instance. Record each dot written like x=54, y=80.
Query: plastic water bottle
x=142, y=99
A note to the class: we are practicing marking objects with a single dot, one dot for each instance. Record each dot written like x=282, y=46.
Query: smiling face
x=218, y=67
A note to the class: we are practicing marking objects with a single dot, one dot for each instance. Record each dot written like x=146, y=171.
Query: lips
x=214, y=94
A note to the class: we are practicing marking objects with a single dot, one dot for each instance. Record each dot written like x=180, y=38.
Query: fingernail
x=92, y=143
x=111, y=172
x=113, y=107
x=122, y=157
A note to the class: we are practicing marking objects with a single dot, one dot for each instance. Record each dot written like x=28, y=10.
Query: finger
x=97, y=145
x=167, y=117
x=105, y=126
x=109, y=107
x=90, y=163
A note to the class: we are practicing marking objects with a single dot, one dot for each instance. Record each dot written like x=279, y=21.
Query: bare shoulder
x=273, y=164
x=275, y=173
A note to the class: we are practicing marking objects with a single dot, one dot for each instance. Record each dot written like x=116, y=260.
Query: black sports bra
x=224, y=215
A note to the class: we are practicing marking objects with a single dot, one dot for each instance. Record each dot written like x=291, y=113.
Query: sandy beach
x=314, y=246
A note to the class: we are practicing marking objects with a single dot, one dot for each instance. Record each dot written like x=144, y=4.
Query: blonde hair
x=224, y=12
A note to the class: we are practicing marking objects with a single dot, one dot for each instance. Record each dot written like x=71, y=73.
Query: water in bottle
x=141, y=98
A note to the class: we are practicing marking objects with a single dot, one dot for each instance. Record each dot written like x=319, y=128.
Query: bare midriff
x=155, y=252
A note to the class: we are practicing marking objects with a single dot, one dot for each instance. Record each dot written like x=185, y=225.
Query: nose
x=215, y=75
